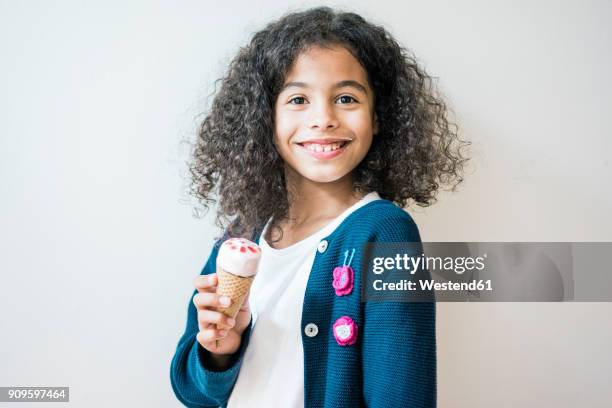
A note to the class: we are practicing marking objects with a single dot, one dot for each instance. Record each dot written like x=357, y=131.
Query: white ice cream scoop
x=239, y=257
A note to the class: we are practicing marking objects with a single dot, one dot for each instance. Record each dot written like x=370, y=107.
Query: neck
x=311, y=201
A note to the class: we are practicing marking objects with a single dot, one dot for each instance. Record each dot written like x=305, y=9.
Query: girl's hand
x=218, y=333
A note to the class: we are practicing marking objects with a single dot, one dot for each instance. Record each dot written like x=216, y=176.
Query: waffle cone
x=236, y=288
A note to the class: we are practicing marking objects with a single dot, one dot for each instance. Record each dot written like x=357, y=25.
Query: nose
x=323, y=117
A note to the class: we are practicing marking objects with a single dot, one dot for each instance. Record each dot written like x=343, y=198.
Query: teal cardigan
x=393, y=361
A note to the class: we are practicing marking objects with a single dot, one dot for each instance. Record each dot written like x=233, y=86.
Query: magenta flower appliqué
x=344, y=275
x=343, y=280
x=345, y=331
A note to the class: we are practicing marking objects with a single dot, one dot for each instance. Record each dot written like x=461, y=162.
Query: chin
x=323, y=176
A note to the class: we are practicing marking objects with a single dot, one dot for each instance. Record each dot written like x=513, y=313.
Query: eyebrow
x=341, y=84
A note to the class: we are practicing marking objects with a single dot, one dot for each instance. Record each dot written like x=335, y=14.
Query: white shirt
x=272, y=372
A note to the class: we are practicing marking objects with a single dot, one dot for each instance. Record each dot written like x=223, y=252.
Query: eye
x=346, y=99
x=299, y=100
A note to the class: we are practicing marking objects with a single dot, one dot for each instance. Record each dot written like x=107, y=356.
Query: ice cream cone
x=237, y=264
x=235, y=287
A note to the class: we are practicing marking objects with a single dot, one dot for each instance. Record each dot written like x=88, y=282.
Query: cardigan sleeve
x=399, y=339
x=194, y=383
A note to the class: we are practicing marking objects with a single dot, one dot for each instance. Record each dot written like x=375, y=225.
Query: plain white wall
x=99, y=246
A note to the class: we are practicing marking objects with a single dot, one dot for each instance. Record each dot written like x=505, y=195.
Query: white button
x=322, y=246
x=311, y=330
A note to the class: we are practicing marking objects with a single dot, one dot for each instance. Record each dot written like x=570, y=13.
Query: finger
x=209, y=299
x=207, y=316
x=204, y=326
x=206, y=283
x=207, y=337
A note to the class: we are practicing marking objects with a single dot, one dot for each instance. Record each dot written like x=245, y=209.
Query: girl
x=323, y=129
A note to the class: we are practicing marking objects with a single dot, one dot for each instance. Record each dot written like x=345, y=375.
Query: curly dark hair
x=235, y=162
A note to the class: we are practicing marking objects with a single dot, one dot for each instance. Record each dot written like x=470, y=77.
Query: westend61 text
x=429, y=284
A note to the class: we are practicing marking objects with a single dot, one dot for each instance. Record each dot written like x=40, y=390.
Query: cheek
x=283, y=131
x=283, y=128
x=361, y=123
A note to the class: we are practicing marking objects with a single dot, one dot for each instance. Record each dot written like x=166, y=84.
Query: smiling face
x=324, y=115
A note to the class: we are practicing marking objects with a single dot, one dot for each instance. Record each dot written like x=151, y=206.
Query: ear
x=375, y=125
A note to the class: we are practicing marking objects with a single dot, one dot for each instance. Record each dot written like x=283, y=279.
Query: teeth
x=323, y=148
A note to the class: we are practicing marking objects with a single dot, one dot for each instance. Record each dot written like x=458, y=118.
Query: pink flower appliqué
x=345, y=331
x=343, y=280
